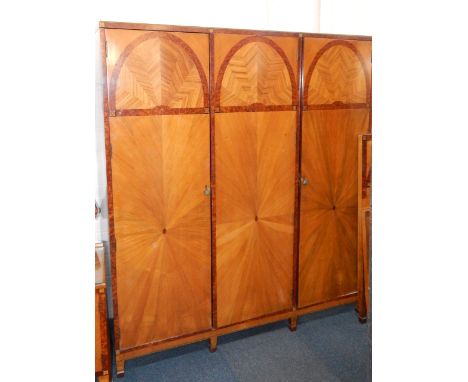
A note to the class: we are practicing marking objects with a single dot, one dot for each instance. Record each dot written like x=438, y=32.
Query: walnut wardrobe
x=232, y=177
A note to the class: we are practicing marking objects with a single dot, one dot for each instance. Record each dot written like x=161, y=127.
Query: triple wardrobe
x=231, y=178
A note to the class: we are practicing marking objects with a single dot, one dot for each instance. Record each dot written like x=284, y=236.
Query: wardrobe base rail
x=213, y=334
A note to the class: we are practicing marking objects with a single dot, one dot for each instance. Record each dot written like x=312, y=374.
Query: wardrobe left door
x=159, y=132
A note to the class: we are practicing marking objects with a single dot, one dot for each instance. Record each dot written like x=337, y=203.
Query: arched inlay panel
x=256, y=70
x=337, y=74
x=158, y=71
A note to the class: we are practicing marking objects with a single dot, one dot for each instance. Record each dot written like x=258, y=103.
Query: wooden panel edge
x=152, y=27
x=214, y=301
x=339, y=36
x=297, y=190
x=199, y=29
x=349, y=298
x=110, y=204
x=360, y=304
x=255, y=322
x=165, y=344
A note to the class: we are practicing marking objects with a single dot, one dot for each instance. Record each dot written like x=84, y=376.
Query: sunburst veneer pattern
x=328, y=218
x=255, y=154
x=160, y=167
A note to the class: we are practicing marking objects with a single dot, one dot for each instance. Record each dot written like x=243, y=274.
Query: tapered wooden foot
x=213, y=344
x=104, y=378
x=361, y=310
x=292, y=323
x=120, y=366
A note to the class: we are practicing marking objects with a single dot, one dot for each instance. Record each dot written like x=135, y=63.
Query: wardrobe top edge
x=196, y=29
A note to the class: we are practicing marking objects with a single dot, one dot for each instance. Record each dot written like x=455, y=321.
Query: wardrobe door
x=255, y=125
x=336, y=110
x=160, y=145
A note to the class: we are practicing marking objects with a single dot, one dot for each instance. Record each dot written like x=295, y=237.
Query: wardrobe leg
x=362, y=318
x=213, y=344
x=292, y=323
x=103, y=378
x=120, y=365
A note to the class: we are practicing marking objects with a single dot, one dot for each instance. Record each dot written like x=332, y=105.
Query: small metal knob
x=207, y=191
x=304, y=181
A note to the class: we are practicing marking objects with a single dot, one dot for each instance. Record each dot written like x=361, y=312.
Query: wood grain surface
x=98, y=364
x=148, y=70
x=188, y=108
x=328, y=225
x=160, y=168
x=255, y=162
x=336, y=71
x=253, y=70
x=364, y=222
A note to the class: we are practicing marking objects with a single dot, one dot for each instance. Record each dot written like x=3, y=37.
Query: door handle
x=304, y=181
x=207, y=191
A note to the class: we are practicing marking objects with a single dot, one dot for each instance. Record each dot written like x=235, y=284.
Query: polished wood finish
x=297, y=186
x=338, y=74
x=157, y=85
x=255, y=157
x=213, y=344
x=162, y=226
x=207, y=335
x=102, y=355
x=165, y=89
x=292, y=324
x=364, y=222
x=102, y=342
x=254, y=139
x=197, y=29
x=336, y=110
x=154, y=72
x=214, y=307
x=327, y=266
x=120, y=365
x=255, y=70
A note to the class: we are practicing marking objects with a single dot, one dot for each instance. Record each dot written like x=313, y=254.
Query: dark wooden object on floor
x=364, y=223
x=102, y=342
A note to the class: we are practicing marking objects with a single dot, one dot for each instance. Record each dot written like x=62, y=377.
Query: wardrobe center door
x=255, y=166
x=255, y=102
x=160, y=168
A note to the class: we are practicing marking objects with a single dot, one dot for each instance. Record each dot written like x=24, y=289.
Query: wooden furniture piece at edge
x=211, y=334
x=364, y=223
x=102, y=342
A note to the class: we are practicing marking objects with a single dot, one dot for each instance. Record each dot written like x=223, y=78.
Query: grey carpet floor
x=327, y=346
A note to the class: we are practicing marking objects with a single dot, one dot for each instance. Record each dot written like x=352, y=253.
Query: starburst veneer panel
x=255, y=156
x=160, y=167
x=158, y=70
x=328, y=216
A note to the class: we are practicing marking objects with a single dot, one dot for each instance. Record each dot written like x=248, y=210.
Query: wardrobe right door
x=336, y=109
